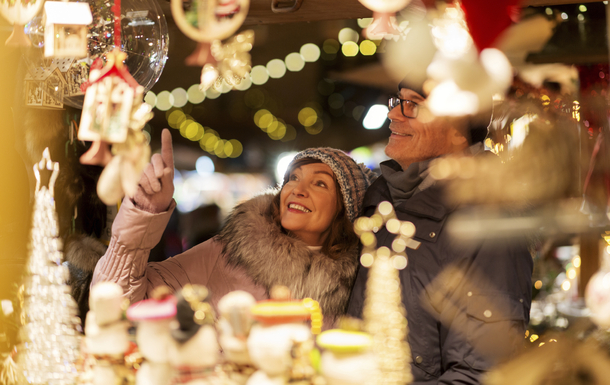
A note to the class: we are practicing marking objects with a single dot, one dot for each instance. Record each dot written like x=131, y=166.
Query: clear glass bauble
x=144, y=38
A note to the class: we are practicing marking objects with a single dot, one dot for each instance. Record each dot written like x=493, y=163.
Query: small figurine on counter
x=281, y=344
x=347, y=358
x=153, y=336
x=234, y=325
x=195, y=350
x=106, y=332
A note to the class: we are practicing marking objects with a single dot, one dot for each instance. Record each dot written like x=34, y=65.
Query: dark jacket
x=475, y=313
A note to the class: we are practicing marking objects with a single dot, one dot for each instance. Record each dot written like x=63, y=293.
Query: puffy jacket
x=251, y=253
x=475, y=314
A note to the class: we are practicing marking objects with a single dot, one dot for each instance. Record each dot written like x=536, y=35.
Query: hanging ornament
x=114, y=114
x=18, y=13
x=66, y=29
x=232, y=62
x=384, y=20
x=488, y=19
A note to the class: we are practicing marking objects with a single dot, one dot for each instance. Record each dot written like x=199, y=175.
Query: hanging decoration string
x=116, y=8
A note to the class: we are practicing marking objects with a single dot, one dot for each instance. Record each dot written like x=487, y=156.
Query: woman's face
x=308, y=202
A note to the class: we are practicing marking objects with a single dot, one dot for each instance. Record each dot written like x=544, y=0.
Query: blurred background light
x=310, y=52
x=375, y=117
x=307, y=116
x=368, y=48
x=165, y=101
x=294, y=62
x=276, y=68
x=259, y=75
x=283, y=160
x=151, y=98
x=348, y=35
x=195, y=95
x=180, y=97
x=350, y=49
x=204, y=165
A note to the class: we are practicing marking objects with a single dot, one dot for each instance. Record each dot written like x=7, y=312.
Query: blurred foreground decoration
x=114, y=113
x=564, y=362
x=384, y=314
x=49, y=333
x=18, y=13
x=384, y=19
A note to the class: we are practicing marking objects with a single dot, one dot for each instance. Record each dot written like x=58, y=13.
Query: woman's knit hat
x=353, y=178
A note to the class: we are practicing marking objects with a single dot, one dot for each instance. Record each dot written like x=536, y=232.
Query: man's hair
x=341, y=236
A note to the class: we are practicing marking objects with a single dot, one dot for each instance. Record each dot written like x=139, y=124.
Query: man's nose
x=396, y=114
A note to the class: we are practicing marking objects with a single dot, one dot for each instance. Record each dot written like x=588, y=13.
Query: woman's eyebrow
x=324, y=172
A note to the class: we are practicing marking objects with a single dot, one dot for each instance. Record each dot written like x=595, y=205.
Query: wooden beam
x=541, y=3
x=311, y=10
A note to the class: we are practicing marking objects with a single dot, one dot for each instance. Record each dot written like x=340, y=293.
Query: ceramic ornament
x=488, y=19
x=66, y=29
x=153, y=336
x=114, y=114
x=347, y=359
x=384, y=20
x=234, y=326
x=19, y=13
x=195, y=350
x=106, y=332
x=280, y=345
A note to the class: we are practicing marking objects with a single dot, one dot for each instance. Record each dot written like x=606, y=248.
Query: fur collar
x=270, y=257
x=83, y=252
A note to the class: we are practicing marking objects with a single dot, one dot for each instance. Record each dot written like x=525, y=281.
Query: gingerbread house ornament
x=66, y=29
x=44, y=87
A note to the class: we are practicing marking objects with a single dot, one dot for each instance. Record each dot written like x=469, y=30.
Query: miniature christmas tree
x=384, y=315
x=49, y=314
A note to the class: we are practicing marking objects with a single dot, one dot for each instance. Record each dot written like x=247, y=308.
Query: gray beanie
x=353, y=178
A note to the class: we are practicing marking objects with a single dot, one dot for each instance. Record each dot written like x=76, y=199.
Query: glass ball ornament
x=144, y=38
x=597, y=297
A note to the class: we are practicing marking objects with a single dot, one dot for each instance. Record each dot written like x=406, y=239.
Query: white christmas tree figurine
x=384, y=315
x=49, y=319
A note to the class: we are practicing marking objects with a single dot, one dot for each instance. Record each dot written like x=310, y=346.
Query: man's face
x=416, y=139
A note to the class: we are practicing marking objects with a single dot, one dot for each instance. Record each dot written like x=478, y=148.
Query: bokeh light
x=350, y=49
x=150, y=98
x=175, y=118
x=307, y=116
x=237, y=148
x=310, y=52
x=245, y=84
x=291, y=134
x=195, y=95
x=294, y=62
x=358, y=111
x=254, y=98
x=259, y=75
x=212, y=93
x=348, y=34
x=336, y=101
x=219, y=148
x=204, y=165
x=180, y=97
x=538, y=285
x=194, y=131
x=368, y=48
x=276, y=68
x=376, y=117
x=566, y=285
x=278, y=132
x=331, y=46
x=363, y=23
x=263, y=119
x=165, y=101
x=326, y=87
x=576, y=261
x=281, y=166
x=315, y=128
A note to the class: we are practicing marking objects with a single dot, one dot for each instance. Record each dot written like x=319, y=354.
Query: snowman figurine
x=153, y=317
x=195, y=350
x=106, y=332
x=234, y=327
x=347, y=359
x=281, y=344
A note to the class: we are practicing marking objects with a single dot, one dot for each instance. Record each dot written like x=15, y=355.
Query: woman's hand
x=156, y=186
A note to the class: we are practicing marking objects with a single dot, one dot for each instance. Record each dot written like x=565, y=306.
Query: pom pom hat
x=353, y=178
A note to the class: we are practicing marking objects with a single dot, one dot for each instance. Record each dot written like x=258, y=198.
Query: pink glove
x=156, y=186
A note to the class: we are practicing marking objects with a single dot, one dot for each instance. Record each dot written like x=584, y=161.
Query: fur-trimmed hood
x=270, y=257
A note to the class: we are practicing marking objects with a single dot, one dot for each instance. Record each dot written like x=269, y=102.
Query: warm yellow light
x=219, y=148
x=212, y=93
x=350, y=49
x=533, y=337
x=291, y=134
x=228, y=149
x=165, y=101
x=566, y=285
x=150, y=98
x=192, y=130
x=368, y=48
x=210, y=141
x=315, y=129
x=363, y=23
x=175, y=118
x=576, y=261
x=237, y=148
x=259, y=75
x=259, y=115
x=276, y=68
x=279, y=132
x=307, y=116
x=195, y=95
x=538, y=285
x=582, y=8
x=571, y=273
x=180, y=97
x=310, y=52
x=245, y=83
x=294, y=62
x=348, y=34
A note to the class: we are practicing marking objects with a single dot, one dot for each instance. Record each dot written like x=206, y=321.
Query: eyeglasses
x=408, y=108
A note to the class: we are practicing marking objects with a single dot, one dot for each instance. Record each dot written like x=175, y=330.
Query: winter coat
x=251, y=253
x=470, y=318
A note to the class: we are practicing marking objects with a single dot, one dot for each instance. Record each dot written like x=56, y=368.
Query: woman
x=300, y=237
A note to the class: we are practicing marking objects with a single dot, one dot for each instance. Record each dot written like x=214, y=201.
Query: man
x=467, y=304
